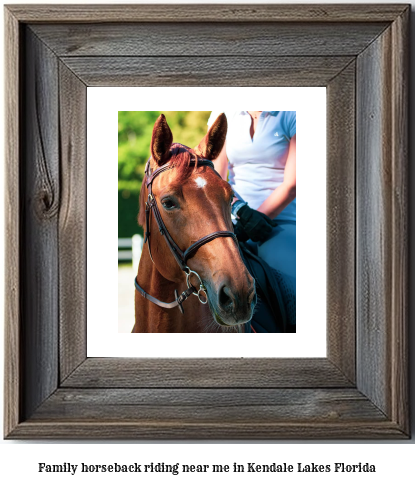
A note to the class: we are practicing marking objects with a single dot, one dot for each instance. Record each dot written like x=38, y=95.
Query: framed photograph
x=55, y=57
x=129, y=113
x=203, y=246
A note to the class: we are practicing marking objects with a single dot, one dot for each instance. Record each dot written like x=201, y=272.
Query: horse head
x=193, y=202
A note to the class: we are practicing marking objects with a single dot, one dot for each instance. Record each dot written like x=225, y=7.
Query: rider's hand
x=256, y=225
x=241, y=235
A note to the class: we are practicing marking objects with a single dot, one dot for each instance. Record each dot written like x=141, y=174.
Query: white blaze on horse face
x=200, y=182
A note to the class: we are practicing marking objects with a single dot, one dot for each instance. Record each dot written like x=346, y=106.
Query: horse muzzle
x=231, y=304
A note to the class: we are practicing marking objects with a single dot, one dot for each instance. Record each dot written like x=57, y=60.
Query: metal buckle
x=202, y=288
x=176, y=296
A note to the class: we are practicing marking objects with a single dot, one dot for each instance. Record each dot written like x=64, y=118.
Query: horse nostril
x=225, y=299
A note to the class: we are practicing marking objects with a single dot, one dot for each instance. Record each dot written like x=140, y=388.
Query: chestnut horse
x=185, y=205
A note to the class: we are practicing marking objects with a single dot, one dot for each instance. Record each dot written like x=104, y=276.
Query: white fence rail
x=129, y=249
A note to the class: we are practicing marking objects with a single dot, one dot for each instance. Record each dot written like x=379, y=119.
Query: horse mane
x=181, y=157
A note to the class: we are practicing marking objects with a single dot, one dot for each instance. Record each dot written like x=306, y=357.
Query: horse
x=186, y=205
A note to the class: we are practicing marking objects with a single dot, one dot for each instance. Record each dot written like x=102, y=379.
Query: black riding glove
x=256, y=225
x=241, y=235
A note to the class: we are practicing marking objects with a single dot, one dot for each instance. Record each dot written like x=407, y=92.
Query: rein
x=180, y=256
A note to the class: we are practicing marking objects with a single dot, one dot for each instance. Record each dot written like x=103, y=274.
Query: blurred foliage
x=134, y=137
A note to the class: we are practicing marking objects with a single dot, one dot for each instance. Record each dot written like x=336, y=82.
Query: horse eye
x=168, y=204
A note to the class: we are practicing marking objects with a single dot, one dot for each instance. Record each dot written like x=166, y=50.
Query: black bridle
x=180, y=256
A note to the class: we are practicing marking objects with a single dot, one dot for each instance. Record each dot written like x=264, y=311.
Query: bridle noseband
x=180, y=256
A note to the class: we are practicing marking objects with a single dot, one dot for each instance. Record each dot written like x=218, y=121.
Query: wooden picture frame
x=360, y=53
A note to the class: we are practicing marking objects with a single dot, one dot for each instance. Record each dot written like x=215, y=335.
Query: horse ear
x=211, y=145
x=161, y=141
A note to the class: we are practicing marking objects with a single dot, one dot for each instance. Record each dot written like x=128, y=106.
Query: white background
x=394, y=460
x=102, y=213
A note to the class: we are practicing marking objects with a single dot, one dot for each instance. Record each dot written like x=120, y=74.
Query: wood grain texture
x=206, y=13
x=51, y=390
x=40, y=172
x=341, y=236
x=382, y=223
x=373, y=221
x=232, y=406
x=206, y=71
x=12, y=384
x=206, y=373
x=166, y=429
x=208, y=39
x=72, y=222
x=400, y=262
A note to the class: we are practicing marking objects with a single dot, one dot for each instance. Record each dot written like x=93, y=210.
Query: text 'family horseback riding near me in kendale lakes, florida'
x=178, y=468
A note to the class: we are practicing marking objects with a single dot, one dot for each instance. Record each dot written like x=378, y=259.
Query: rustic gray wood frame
x=359, y=52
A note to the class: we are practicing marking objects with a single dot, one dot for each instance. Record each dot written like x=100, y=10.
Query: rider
x=260, y=154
